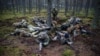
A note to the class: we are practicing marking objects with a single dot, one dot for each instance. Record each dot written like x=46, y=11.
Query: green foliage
x=68, y=52
x=9, y=51
x=13, y=51
x=1, y=51
x=33, y=55
x=5, y=30
x=61, y=14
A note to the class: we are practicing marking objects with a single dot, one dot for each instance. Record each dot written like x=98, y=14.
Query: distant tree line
x=75, y=6
x=27, y=6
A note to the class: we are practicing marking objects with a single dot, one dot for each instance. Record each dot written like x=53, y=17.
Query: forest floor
x=26, y=46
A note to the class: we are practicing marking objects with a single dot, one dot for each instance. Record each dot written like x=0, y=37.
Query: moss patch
x=68, y=52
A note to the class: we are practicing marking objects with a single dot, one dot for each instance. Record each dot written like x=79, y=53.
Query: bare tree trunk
x=80, y=3
x=24, y=7
x=96, y=20
x=58, y=2
x=30, y=6
x=13, y=6
x=1, y=8
x=66, y=7
x=49, y=20
x=74, y=7
x=87, y=7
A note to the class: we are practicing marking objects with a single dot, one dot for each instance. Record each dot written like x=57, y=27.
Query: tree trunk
x=58, y=2
x=74, y=7
x=30, y=6
x=24, y=7
x=96, y=20
x=49, y=20
x=87, y=7
x=66, y=7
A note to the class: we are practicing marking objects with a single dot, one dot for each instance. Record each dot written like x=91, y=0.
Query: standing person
x=55, y=19
x=54, y=14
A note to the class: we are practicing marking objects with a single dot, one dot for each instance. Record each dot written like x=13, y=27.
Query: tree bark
x=49, y=20
x=96, y=20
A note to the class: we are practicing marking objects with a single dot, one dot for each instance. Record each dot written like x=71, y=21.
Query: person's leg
x=40, y=46
x=55, y=38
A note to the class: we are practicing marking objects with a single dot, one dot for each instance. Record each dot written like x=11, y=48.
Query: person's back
x=43, y=39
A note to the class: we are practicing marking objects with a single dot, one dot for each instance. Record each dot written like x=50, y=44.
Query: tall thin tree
x=66, y=7
x=49, y=20
x=96, y=20
x=87, y=7
x=30, y=6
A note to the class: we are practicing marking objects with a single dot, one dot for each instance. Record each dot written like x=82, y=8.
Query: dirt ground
x=28, y=47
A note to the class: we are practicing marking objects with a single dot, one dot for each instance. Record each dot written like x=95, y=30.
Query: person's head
x=54, y=8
